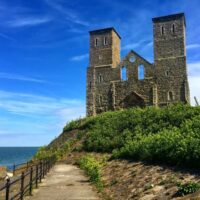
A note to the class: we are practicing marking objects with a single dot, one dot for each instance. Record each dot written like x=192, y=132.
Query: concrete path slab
x=64, y=182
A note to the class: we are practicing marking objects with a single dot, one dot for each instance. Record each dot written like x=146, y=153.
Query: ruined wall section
x=162, y=83
x=134, y=92
x=103, y=98
x=90, y=92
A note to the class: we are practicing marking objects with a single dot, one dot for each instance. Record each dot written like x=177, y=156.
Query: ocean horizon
x=16, y=155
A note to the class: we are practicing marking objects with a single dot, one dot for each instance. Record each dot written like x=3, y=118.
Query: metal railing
x=24, y=183
x=22, y=166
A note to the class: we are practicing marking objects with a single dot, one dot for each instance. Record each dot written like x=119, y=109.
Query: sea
x=16, y=155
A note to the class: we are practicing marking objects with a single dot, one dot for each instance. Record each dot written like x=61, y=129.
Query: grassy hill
x=168, y=136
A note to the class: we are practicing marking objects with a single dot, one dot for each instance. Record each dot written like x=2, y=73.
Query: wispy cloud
x=7, y=37
x=70, y=15
x=130, y=46
x=29, y=104
x=80, y=57
x=28, y=21
x=194, y=88
x=35, y=116
x=194, y=68
x=20, y=78
x=193, y=46
x=140, y=44
x=194, y=80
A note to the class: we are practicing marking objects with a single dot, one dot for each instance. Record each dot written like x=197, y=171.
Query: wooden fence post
x=7, y=188
x=36, y=176
x=22, y=186
x=31, y=181
x=14, y=169
x=40, y=171
x=43, y=168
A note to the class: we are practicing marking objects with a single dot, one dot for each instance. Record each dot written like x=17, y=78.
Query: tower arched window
x=170, y=96
x=100, y=99
x=100, y=78
x=105, y=41
x=123, y=73
x=173, y=28
x=162, y=30
x=90, y=84
x=96, y=42
x=141, y=72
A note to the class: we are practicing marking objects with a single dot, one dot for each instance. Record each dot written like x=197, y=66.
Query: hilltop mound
x=162, y=141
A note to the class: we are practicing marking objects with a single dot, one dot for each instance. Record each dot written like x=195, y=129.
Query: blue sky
x=44, y=55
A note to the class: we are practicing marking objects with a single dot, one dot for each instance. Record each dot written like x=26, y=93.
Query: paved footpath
x=64, y=182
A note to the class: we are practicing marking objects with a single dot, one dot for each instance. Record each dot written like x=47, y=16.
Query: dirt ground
x=128, y=180
x=64, y=182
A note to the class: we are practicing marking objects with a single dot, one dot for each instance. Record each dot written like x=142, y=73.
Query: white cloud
x=70, y=15
x=28, y=104
x=130, y=46
x=20, y=78
x=194, y=68
x=193, y=46
x=80, y=57
x=150, y=44
x=194, y=82
x=36, y=116
x=7, y=37
x=141, y=43
x=28, y=21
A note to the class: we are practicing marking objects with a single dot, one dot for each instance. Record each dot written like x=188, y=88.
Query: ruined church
x=114, y=84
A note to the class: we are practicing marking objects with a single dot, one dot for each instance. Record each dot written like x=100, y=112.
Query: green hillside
x=169, y=135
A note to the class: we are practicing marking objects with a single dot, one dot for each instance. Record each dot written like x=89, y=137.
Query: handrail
x=25, y=165
x=28, y=179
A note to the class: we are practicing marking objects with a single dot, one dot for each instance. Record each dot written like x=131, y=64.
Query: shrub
x=169, y=135
x=187, y=188
x=44, y=152
x=92, y=168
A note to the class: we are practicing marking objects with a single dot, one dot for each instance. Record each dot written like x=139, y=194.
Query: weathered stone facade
x=145, y=84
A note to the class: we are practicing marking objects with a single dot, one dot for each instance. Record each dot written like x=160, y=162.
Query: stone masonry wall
x=164, y=82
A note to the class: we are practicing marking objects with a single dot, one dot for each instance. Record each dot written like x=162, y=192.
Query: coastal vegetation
x=138, y=140
x=92, y=167
x=58, y=152
x=169, y=135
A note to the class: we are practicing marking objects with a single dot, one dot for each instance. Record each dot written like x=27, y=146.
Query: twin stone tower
x=114, y=84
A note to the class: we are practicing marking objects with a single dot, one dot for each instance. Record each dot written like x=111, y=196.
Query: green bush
x=187, y=188
x=59, y=153
x=92, y=168
x=169, y=135
x=63, y=149
x=42, y=153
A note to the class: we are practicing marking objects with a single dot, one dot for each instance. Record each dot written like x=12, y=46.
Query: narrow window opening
x=170, y=96
x=173, y=28
x=123, y=74
x=105, y=40
x=100, y=78
x=162, y=30
x=100, y=99
x=96, y=42
x=141, y=72
x=90, y=85
x=167, y=73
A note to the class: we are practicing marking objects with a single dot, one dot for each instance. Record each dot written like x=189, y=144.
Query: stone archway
x=132, y=100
